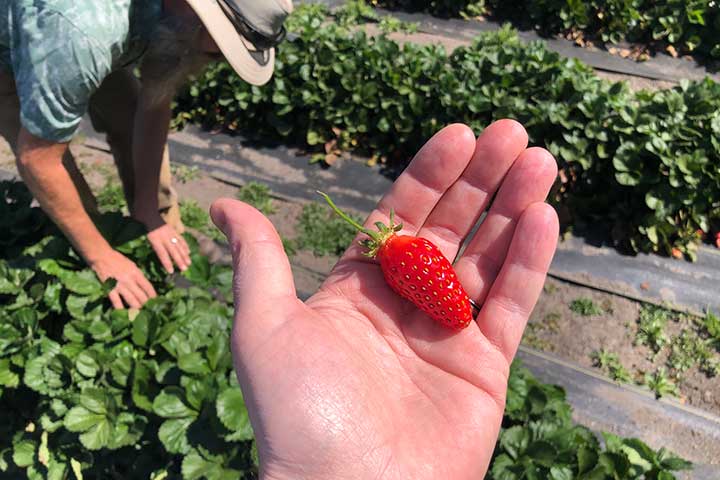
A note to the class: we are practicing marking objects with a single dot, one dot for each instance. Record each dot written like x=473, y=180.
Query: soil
x=555, y=328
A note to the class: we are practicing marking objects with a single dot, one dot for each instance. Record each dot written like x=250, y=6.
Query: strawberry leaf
x=232, y=413
x=24, y=453
x=173, y=434
x=170, y=404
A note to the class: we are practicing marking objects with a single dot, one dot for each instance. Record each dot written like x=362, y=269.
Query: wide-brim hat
x=246, y=32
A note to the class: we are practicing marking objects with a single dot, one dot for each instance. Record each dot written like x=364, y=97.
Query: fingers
x=180, y=255
x=528, y=182
x=145, y=285
x=133, y=292
x=115, y=300
x=453, y=217
x=263, y=279
x=517, y=287
x=129, y=297
x=170, y=248
x=164, y=256
x=469, y=354
x=434, y=169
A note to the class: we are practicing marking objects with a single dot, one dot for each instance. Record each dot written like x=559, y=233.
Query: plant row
x=689, y=26
x=90, y=392
x=640, y=166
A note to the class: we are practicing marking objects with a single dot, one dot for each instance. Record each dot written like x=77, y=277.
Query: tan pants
x=112, y=111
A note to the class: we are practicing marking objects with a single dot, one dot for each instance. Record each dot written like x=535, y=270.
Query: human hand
x=169, y=246
x=356, y=382
x=132, y=287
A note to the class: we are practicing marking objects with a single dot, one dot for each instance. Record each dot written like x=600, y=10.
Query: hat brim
x=253, y=66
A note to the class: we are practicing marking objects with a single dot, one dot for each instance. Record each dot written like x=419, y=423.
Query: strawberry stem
x=344, y=216
x=377, y=239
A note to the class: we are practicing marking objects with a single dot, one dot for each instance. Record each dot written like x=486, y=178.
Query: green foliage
x=183, y=173
x=197, y=218
x=711, y=323
x=322, y=232
x=609, y=362
x=258, y=195
x=688, y=25
x=111, y=197
x=585, y=307
x=355, y=12
x=390, y=24
x=90, y=392
x=688, y=350
x=641, y=166
x=539, y=440
x=116, y=395
x=651, y=327
x=660, y=383
x=442, y=8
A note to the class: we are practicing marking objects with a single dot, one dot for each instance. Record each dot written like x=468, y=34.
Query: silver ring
x=475, y=307
x=174, y=241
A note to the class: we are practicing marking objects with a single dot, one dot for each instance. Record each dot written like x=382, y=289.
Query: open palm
x=356, y=383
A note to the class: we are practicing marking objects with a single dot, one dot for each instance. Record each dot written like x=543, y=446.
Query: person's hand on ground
x=356, y=383
x=132, y=288
x=169, y=246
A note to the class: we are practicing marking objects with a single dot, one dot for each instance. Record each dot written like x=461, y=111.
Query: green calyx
x=377, y=239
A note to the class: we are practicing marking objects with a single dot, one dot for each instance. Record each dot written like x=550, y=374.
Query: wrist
x=96, y=255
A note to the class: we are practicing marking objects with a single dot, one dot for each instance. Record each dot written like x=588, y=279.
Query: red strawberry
x=416, y=270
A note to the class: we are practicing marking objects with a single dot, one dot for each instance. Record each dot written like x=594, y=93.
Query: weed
x=322, y=232
x=684, y=351
x=585, y=307
x=184, y=173
x=258, y=195
x=711, y=323
x=552, y=321
x=689, y=348
x=710, y=366
x=532, y=339
x=651, y=329
x=661, y=384
x=550, y=288
x=610, y=363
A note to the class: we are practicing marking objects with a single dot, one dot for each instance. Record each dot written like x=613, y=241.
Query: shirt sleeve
x=57, y=69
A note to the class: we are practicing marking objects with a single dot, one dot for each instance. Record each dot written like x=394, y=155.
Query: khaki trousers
x=112, y=111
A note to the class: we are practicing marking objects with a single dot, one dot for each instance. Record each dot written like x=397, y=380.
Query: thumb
x=263, y=278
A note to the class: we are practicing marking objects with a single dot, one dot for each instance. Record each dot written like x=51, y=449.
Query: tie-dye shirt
x=59, y=52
